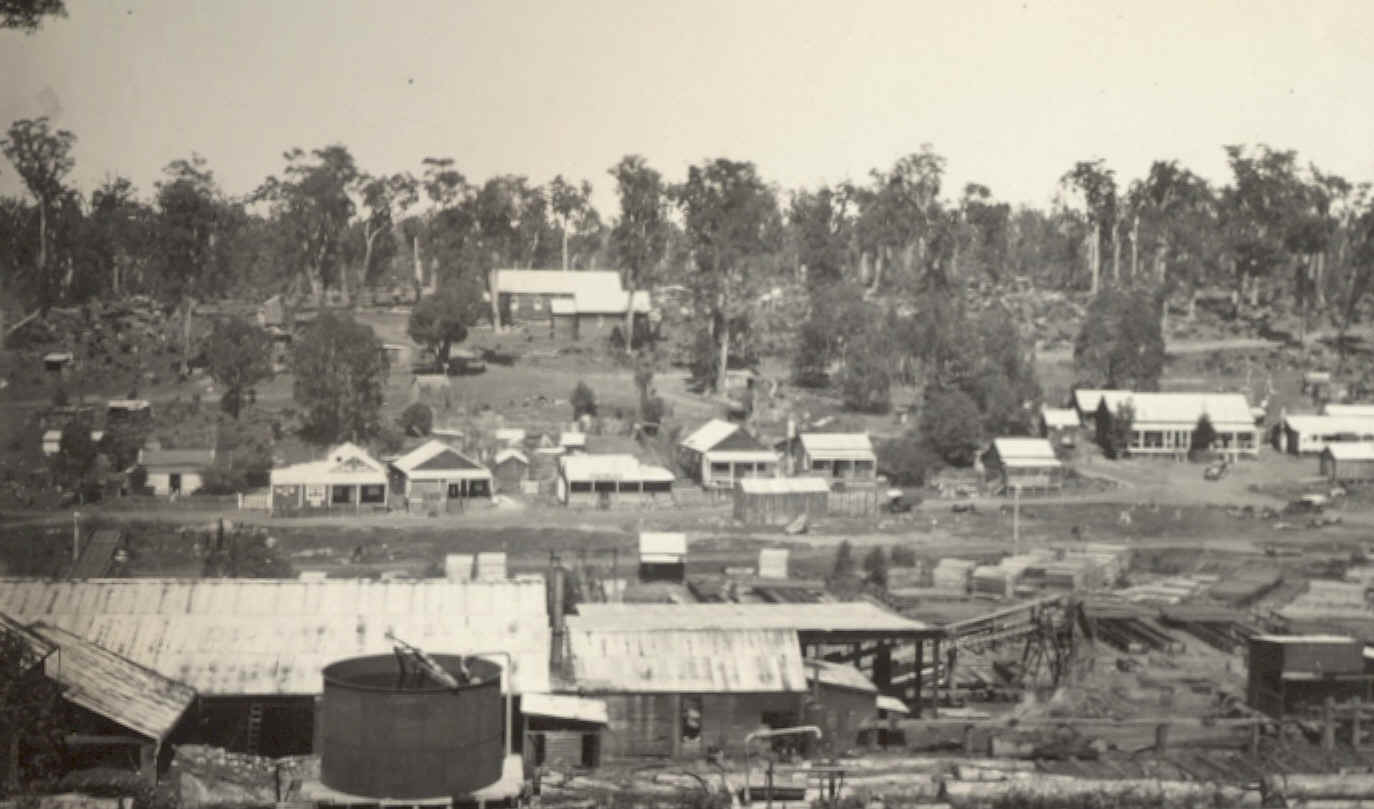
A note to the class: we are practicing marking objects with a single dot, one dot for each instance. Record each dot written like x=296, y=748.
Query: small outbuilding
x=1023, y=464
x=58, y=362
x=719, y=453
x=1348, y=462
x=604, y=481
x=128, y=411
x=176, y=471
x=347, y=480
x=436, y=477
x=510, y=468
x=662, y=556
x=1059, y=425
x=779, y=501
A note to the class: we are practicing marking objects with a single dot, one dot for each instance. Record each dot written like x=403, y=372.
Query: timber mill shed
x=254, y=649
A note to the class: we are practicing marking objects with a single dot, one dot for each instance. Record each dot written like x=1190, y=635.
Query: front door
x=174, y=483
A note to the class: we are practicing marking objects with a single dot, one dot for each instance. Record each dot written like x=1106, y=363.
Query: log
x=1310, y=787
x=1039, y=789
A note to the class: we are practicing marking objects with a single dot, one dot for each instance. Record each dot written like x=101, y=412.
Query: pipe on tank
x=508, y=687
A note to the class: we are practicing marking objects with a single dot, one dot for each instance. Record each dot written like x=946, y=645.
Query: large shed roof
x=555, y=282
x=1365, y=411
x=259, y=637
x=1225, y=410
x=1313, y=424
x=848, y=616
x=113, y=686
x=683, y=660
x=1351, y=450
x=612, y=467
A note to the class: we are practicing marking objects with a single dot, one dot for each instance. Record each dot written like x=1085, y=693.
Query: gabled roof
x=555, y=282
x=1351, y=450
x=1059, y=417
x=346, y=464
x=508, y=454
x=1088, y=399
x=837, y=446
x=113, y=686
x=1024, y=448
x=674, y=660
x=509, y=435
x=433, y=456
x=237, y=637
x=173, y=459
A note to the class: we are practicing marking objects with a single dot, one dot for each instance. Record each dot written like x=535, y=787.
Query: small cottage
x=58, y=362
x=346, y=481
x=844, y=457
x=719, y=453
x=1348, y=462
x=1023, y=464
x=175, y=471
x=1059, y=425
x=510, y=468
x=604, y=481
x=436, y=477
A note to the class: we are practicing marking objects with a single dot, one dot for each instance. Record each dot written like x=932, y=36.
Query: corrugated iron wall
x=640, y=724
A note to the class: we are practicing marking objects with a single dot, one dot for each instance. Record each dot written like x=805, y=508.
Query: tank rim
x=337, y=674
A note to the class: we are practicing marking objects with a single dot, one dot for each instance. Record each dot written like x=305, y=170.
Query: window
x=863, y=469
x=455, y=491
x=580, y=486
x=373, y=493
x=657, y=486
x=718, y=468
x=819, y=466
x=605, y=486
x=341, y=495
x=479, y=488
x=690, y=721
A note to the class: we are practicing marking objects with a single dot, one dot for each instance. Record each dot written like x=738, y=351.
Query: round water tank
x=381, y=737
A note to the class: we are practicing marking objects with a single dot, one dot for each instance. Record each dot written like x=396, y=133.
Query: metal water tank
x=382, y=737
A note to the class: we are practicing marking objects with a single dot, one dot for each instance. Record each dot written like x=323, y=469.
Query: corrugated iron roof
x=1088, y=399
x=612, y=467
x=509, y=435
x=1059, y=417
x=555, y=282
x=502, y=455
x=565, y=706
x=1313, y=424
x=1031, y=463
x=345, y=464
x=803, y=485
x=254, y=636
x=852, y=616
x=1024, y=448
x=1225, y=410
x=176, y=458
x=708, y=435
x=660, y=543
x=598, y=300
x=1363, y=411
x=892, y=705
x=434, y=460
x=680, y=660
x=1351, y=450
x=113, y=686
x=839, y=675
x=837, y=446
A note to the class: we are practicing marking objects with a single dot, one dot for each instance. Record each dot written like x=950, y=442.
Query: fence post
x=1355, y=723
x=1329, y=724
x=1161, y=737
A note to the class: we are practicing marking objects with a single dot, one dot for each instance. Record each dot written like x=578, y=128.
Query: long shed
x=1348, y=462
x=779, y=501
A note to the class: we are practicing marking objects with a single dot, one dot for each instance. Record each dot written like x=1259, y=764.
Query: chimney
x=557, y=576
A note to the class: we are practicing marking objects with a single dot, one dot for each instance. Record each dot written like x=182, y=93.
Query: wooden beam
x=84, y=739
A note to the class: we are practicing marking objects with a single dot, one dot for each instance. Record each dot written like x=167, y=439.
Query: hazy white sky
x=1011, y=93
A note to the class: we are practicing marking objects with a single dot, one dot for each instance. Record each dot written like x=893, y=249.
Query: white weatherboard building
x=836, y=456
x=605, y=480
x=348, y=479
x=175, y=471
x=719, y=453
x=435, y=475
x=1163, y=423
x=1308, y=433
x=1024, y=463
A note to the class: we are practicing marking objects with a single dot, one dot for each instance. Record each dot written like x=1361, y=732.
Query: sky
x=1010, y=93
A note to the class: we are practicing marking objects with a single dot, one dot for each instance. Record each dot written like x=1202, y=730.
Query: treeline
x=896, y=244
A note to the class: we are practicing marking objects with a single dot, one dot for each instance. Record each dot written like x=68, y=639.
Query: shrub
x=903, y=556
x=907, y=460
x=583, y=400
x=1204, y=435
x=417, y=420
x=951, y=426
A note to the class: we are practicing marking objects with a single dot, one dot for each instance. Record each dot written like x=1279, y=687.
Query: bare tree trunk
x=1116, y=250
x=1135, y=247
x=724, y=337
x=879, y=259
x=186, y=336
x=1094, y=257
x=495, y=294
x=564, y=231
x=629, y=313
x=42, y=241
x=419, y=268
